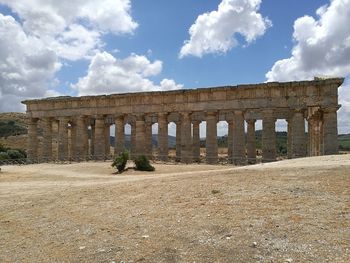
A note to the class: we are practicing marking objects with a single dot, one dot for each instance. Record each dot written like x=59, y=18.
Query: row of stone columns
x=241, y=146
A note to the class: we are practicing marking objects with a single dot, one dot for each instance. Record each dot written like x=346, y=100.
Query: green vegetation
x=142, y=164
x=10, y=128
x=11, y=154
x=344, y=142
x=120, y=161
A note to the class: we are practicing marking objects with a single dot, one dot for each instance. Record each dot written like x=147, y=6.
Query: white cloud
x=26, y=65
x=215, y=32
x=322, y=47
x=73, y=28
x=51, y=16
x=49, y=33
x=107, y=74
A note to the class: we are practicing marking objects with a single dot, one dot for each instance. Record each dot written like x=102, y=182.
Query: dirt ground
x=288, y=211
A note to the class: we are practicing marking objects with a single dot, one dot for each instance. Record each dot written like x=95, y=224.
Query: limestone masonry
x=78, y=118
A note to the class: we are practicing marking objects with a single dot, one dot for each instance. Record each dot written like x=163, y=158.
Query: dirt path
x=290, y=211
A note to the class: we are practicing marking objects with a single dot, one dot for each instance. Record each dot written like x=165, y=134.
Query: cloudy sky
x=80, y=47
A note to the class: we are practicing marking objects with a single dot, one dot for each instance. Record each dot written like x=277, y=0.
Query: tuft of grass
x=214, y=192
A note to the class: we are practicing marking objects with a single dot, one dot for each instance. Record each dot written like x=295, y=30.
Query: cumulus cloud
x=215, y=32
x=48, y=32
x=322, y=47
x=26, y=65
x=73, y=28
x=107, y=74
x=51, y=16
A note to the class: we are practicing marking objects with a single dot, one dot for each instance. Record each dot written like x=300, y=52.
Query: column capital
x=299, y=110
x=119, y=116
x=82, y=117
x=251, y=121
x=139, y=117
x=33, y=120
x=64, y=118
x=185, y=115
x=269, y=113
x=238, y=112
x=330, y=109
x=162, y=116
x=211, y=113
x=47, y=119
x=99, y=116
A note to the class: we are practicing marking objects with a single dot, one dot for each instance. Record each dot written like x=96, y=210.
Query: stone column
x=298, y=134
x=82, y=140
x=330, y=131
x=107, y=140
x=314, y=124
x=119, y=134
x=132, y=139
x=73, y=140
x=32, y=152
x=230, y=140
x=290, y=138
x=211, y=138
x=148, y=138
x=239, y=156
x=196, y=141
x=92, y=141
x=99, y=146
x=63, y=138
x=251, y=147
x=140, y=136
x=269, y=137
x=47, y=139
x=178, y=141
x=186, y=138
x=163, y=136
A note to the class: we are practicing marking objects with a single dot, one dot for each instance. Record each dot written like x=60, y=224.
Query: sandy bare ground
x=290, y=211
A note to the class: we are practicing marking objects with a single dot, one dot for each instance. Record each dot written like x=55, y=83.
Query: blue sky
x=79, y=47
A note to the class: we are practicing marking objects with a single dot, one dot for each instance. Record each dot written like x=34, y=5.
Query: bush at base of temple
x=142, y=164
x=120, y=161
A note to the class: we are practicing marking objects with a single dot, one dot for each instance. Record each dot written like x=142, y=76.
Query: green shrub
x=4, y=156
x=15, y=154
x=142, y=164
x=3, y=148
x=120, y=161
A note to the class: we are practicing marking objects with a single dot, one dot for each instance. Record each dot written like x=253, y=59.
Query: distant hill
x=12, y=124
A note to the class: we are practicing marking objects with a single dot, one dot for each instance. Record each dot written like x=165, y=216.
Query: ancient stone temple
x=83, y=123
